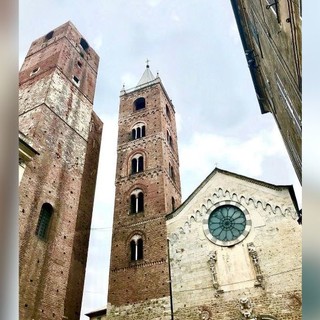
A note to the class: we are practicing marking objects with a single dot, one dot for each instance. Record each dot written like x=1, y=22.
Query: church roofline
x=229, y=173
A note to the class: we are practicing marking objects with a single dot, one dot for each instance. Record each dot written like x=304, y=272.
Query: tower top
x=147, y=75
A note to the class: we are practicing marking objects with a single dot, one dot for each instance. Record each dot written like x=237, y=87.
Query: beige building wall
x=270, y=277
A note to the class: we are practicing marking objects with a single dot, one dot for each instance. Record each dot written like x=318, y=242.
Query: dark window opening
x=138, y=133
x=171, y=172
x=168, y=112
x=49, y=35
x=134, y=167
x=84, y=44
x=79, y=64
x=133, y=203
x=44, y=220
x=76, y=80
x=133, y=250
x=140, y=249
x=136, y=203
x=136, y=249
x=140, y=202
x=140, y=103
x=173, y=203
x=137, y=165
x=140, y=164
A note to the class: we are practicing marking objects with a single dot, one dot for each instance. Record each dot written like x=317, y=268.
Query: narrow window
x=170, y=141
x=140, y=103
x=84, y=44
x=168, y=112
x=44, y=220
x=138, y=132
x=79, y=64
x=140, y=164
x=136, y=248
x=136, y=201
x=139, y=249
x=133, y=134
x=48, y=36
x=76, y=81
x=140, y=202
x=171, y=172
x=133, y=250
x=143, y=131
x=137, y=164
x=173, y=203
x=133, y=203
x=134, y=167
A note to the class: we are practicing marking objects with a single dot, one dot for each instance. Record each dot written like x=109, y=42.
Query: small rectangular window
x=76, y=80
x=79, y=64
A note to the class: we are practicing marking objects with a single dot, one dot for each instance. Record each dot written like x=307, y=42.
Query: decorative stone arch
x=135, y=245
x=135, y=155
x=218, y=242
x=136, y=201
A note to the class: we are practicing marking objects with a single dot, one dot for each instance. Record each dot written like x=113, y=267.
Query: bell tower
x=147, y=188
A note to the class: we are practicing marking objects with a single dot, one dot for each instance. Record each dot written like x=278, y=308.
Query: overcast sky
x=196, y=48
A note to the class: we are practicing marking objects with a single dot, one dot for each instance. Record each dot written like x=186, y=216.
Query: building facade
x=147, y=188
x=235, y=251
x=232, y=250
x=270, y=31
x=57, y=86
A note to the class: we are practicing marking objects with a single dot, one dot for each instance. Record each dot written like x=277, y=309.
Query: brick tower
x=57, y=86
x=147, y=188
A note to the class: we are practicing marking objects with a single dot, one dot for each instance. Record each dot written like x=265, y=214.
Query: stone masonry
x=57, y=85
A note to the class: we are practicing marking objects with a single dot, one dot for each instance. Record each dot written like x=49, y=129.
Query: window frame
x=44, y=221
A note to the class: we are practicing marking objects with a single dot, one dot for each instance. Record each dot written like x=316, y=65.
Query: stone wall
x=272, y=279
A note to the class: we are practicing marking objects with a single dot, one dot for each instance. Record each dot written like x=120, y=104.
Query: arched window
x=140, y=103
x=84, y=44
x=138, y=131
x=48, y=36
x=171, y=172
x=136, y=201
x=137, y=164
x=44, y=220
x=136, y=248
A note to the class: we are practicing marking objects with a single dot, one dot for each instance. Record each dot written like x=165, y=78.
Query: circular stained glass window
x=227, y=223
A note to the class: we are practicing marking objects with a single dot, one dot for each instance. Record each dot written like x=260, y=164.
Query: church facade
x=232, y=250
x=235, y=251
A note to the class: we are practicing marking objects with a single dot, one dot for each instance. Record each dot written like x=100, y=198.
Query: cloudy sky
x=196, y=48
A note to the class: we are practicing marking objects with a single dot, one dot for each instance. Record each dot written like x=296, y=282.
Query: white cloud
x=153, y=3
x=205, y=151
x=175, y=17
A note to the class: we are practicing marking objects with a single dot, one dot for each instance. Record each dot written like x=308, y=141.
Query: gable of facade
x=222, y=275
